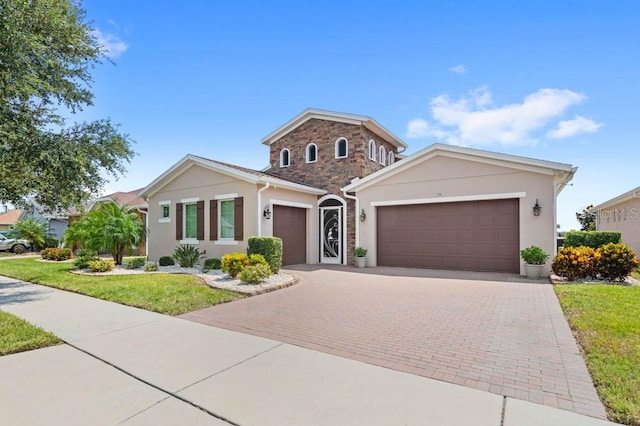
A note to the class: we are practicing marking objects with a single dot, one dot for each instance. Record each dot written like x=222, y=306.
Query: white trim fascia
x=455, y=199
x=164, y=203
x=168, y=175
x=225, y=243
x=634, y=193
x=275, y=183
x=290, y=204
x=226, y=196
x=190, y=241
x=164, y=220
x=469, y=154
x=311, y=113
x=190, y=200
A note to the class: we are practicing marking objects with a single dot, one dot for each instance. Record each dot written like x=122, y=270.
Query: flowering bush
x=616, y=261
x=56, y=254
x=234, y=263
x=575, y=262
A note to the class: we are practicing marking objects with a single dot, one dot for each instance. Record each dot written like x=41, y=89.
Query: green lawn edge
x=171, y=294
x=17, y=335
x=606, y=324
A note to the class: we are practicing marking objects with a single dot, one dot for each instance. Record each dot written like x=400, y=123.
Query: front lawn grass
x=636, y=274
x=17, y=335
x=606, y=322
x=172, y=294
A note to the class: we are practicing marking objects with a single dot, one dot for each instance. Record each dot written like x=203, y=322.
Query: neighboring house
x=56, y=223
x=337, y=181
x=622, y=214
x=131, y=199
x=10, y=218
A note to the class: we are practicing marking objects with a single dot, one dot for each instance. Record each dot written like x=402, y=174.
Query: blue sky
x=552, y=80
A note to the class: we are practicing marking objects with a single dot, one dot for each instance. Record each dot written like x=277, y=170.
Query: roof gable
x=470, y=154
x=634, y=193
x=238, y=172
x=319, y=114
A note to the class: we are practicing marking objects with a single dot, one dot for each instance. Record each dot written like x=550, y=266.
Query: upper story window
x=392, y=158
x=312, y=153
x=284, y=158
x=383, y=156
x=372, y=150
x=342, y=148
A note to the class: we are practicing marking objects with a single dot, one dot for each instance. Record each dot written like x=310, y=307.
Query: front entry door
x=331, y=235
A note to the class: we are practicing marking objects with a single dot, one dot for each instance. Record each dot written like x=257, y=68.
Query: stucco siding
x=198, y=182
x=444, y=178
x=622, y=217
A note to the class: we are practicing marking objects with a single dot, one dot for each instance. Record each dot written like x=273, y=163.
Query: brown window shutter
x=213, y=220
x=179, y=221
x=238, y=217
x=200, y=221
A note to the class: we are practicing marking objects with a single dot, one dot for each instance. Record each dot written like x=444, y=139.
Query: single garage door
x=290, y=224
x=473, y=235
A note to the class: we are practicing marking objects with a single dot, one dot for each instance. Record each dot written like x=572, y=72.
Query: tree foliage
x=587, y=219
x=46, y=53
x=108, y=227
x=31, y=230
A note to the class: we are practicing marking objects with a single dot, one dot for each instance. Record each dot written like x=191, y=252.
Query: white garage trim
x=290, y=204
x=479, y=197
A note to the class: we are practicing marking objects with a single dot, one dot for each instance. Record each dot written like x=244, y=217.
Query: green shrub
x=166, y=261
x=50, y=242
x=102, y=265
x=575, y=263
x=234, y=263
x=257, y=259
x=187, y=255
x=82, y=262
x=135, y=263
x=270, y=248
x=593, y=239
x=534, y=255
x=85, y=252
x=210, y=264
x=615, y=262
x=255, y=274
x=151, y=267
x=56, y=254
x=360, y=252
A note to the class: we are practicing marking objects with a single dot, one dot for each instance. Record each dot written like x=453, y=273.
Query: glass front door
x=331, y=234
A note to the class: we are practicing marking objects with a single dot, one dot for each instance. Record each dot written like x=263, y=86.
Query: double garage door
x=474, y=235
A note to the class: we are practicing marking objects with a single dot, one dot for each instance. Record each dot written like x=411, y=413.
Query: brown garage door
x=290, y=224
x=474, y=235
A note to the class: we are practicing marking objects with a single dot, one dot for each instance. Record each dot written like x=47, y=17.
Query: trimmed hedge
x=166, y=261
x=270, y=248
x=593, y=239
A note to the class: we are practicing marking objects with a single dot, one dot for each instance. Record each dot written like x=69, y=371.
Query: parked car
x=12, y=244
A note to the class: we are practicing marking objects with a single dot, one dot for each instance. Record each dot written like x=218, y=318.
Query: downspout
x=260, y=207
x=146, y=234
x=356, y=219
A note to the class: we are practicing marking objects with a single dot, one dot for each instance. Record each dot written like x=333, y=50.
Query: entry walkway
x=123, y=365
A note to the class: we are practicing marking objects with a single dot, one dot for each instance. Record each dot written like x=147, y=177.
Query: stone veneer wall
x=328, y=172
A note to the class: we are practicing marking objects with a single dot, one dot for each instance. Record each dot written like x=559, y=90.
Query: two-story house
x=337, y=181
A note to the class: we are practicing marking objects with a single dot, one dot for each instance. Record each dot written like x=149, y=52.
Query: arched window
x=372, y=150
x=284, y=158
x=342, y=148
x=392, y=158
x=383, y=156
x=312, y=153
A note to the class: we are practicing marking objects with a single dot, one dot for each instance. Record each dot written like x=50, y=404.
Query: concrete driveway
x=486, y=332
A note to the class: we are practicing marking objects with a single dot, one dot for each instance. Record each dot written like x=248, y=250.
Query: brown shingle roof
x=129, y=198
x=10, y=217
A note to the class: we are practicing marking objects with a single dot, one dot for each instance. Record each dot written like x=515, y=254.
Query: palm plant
x=31, y=230
x=108, y=227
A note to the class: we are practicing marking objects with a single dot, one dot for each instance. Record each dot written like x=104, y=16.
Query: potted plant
x=534, y=259
x=360, y=254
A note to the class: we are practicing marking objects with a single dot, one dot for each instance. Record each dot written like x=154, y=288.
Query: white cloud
x=459, y=69
x=112, y=45
x=475, y=120
x=570, y=128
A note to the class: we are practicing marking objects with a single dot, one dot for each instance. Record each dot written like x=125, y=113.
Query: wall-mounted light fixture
x=363, y=216
x=536, y=208
x=267, y=212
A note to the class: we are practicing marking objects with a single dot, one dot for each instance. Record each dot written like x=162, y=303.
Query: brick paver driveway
x=508, y=338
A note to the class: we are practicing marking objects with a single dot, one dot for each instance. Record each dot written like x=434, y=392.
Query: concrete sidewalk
x=128, y=366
